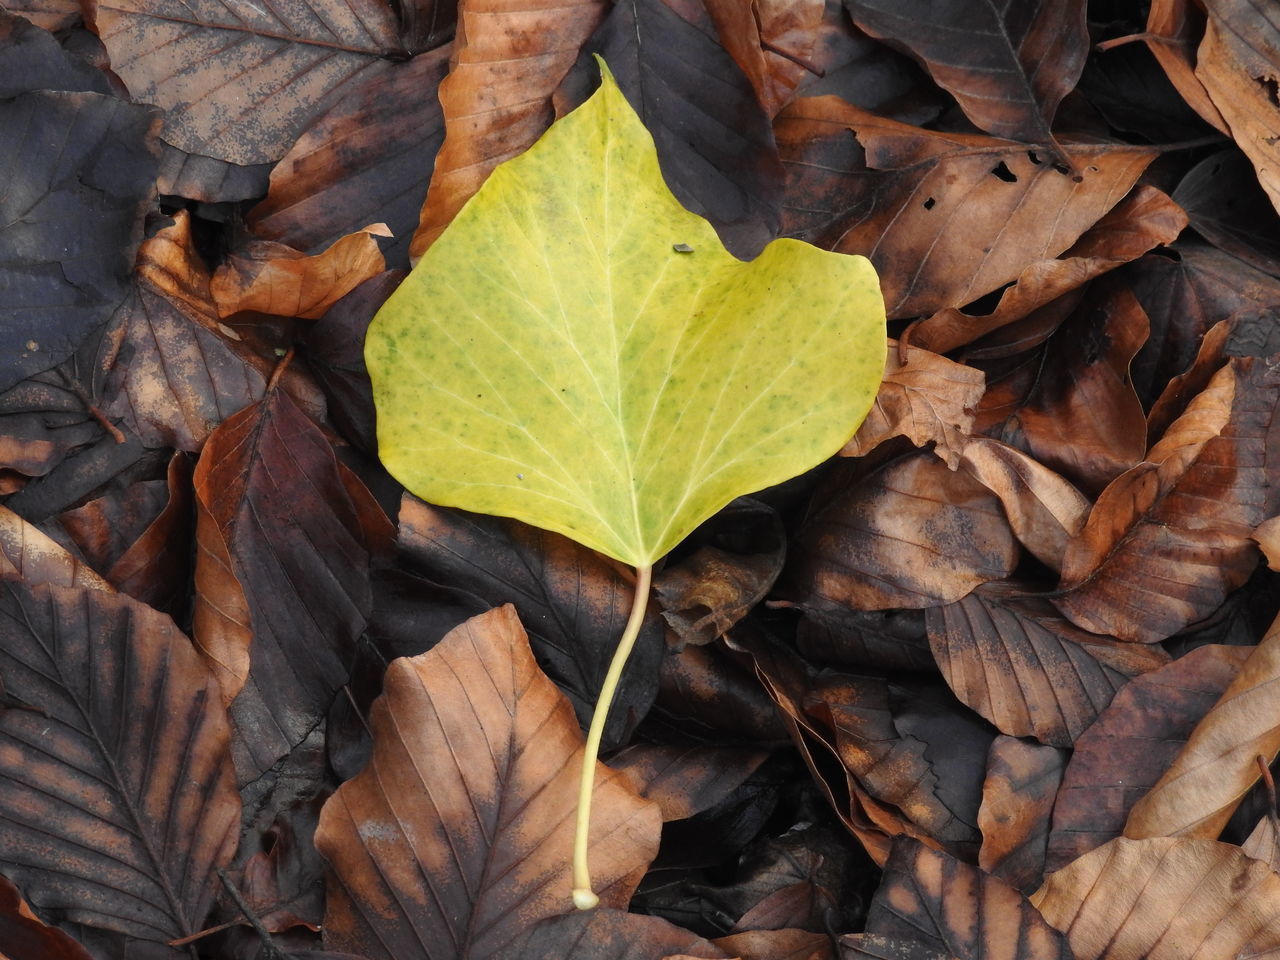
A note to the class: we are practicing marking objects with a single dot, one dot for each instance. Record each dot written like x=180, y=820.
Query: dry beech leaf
x=945, y=217
x=272, y=278
x=1267, y=536
x=873, y=946
x=605, y=934
x=777, y=945
x=1044, y=510
x=1118, y=759
x=237, y=82
x=173, y=372
x=1227, y=207
x=116, y=785
x=155, y=568
x=1174, y=29
x=953, y=908
x=1017, y=799
x=1012, y=657
x=1008, y=66
x=1168, y=540
x=285, y=535
x=911, y=534
x=1166, y=898
x=771, y=40
x=684, y=781
x=457, y=833
x=923, y=397
x=1238, y=63
x=1217, y=766
x=508, y=58
x=29, y=553
x=1144, y=219
x=25, y=938
x=1070, y=401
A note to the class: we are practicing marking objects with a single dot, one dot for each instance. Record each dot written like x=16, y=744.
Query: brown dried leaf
x=1239, y=64
x=29, y=553
x=1013, y=659
x=1217, y=766
x=116, y=784
x=1144, y=219
x=508, y=58
x=771, y=40
x=944, y=217
x=955, y=909
x=605, y=934
x=155, y=568
x=457, y=833
x=1174, y=28
x=923, y=397
x=238, y=82
x=704, y=689
x=1168, y=540
x=1017, y=799
x=24, y=937
x=1167, y=898
x=777, y=945
x=272, y=278
x=1134, y=740
x=911, y=534
x=684, y=781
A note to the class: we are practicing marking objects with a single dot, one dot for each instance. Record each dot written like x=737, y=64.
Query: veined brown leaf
x=1017, y=800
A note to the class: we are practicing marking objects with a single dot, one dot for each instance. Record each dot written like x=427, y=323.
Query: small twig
x=269, y=949
x=278, y=372
x=76, y=387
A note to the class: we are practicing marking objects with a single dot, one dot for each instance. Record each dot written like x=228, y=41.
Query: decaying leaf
x=116, y=784
x=456, y=833
x=1167, y=898
x=1017, y=800
x=642, y=430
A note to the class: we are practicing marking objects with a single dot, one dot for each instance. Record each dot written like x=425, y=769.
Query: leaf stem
x=584, y=898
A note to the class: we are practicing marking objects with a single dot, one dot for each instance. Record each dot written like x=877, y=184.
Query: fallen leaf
x=115, y=776
x=238, y=82
x=507, y=60
x=1228, y=208
x=32, y=59
x=778, y=945
x=272, y=278
x=71, y=223
x=1118, y=759
x=771, y=40
x=1011, y=657
x=1238, y=61
x=910, y=534
x=605, y=934
x=944, y=217
x=705, y=689
x=639, y=444
x=472, y=856
x=1007, y=66
x=836, y=635
x=924, y=397
x=1164, y=898
x=684, y=781
x=1168, y=540
x=937, y=903
x=1217, y=765
x=1174, y=29
x=1017, y=800
x=714, y=141
x=156, y=566
x=29, y=554
x=25, y=937
x=285, y=537
x=51, y=15
x=366, y=159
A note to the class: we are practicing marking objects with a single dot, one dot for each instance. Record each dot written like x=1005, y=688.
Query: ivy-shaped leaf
x=578, y=351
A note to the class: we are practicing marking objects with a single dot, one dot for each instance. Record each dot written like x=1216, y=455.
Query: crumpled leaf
x=1168, y=540
x=1238, y=62
x=456, y=834
x=1217, y=765
x=172, y=371
x=238, y=82
x=1126, y=751
x=78, y=170
x=116, y=784
x=1011, y=657
x=1007, y=65
x=938, y=903
x=1167, y=898
x=507, y=60
x=272, y=278
x=620, y=434
x=944, y=217
x=924, y=397
x=911, y=534
x=714, y=140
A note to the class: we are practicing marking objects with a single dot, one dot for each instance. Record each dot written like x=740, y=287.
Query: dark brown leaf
x=23, y=937
x=457, y=834
x=1174, y=29
x=1017, y=800
x=1009, y=65
x=1227, y=207
x=684, y=781
x=116, y=783
x=605, y=934
x=771, y=40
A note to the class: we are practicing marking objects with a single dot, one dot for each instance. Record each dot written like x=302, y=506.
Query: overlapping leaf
x=452, y=843
x=1017, y=800
x=115, y=774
